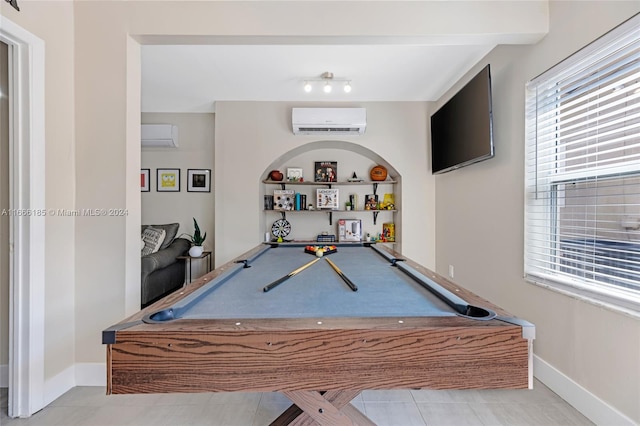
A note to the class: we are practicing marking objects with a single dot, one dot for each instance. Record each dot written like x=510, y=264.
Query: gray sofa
x=162, y=273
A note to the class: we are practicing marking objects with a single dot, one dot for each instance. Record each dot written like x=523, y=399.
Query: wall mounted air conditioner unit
x=329, y=121
x=159, y=135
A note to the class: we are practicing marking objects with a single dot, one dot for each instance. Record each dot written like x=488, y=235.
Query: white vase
x=196, y=251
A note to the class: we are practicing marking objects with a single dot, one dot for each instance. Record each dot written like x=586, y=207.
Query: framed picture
x=199, y=180
x=326, y=171
x=168, y=180
x=144, y=180
x=294, y=174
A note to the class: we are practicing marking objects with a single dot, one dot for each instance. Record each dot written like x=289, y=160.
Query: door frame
x=26, y=231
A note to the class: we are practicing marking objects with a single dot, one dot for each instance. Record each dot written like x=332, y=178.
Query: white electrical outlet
x=450, y=271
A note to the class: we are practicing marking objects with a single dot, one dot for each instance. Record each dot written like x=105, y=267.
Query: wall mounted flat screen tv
x=461, y=130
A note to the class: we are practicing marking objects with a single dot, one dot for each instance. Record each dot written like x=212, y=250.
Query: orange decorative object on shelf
x=378, y=173
x=276, y=175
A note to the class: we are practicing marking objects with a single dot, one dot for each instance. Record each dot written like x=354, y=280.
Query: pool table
x=315, y=337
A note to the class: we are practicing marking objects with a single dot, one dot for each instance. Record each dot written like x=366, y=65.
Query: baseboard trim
x=81, y=374
x=592, y=407
x=59, y=384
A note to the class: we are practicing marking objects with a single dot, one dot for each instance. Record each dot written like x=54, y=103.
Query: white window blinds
x=582, y=172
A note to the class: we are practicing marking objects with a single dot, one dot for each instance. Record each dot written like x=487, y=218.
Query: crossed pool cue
x=346, y=279
x=279, y=281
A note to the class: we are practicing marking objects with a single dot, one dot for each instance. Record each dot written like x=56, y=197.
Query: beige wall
x=255, y=137
x=479, y=222
x=195, y=151
x=53, y=22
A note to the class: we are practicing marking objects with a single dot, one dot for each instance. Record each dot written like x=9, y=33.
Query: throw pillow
x=153, y=239
x=171, y=230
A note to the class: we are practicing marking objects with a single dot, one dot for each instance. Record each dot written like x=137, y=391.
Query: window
x=582, y=177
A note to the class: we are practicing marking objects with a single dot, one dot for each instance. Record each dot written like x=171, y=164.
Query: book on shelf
x=268, y=202
x=327, y=198
x=326, y=171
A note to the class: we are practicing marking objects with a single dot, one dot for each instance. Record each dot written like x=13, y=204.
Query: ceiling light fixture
x=326, y=79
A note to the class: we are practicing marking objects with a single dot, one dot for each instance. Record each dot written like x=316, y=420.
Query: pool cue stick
x=289, y=275
x=346, y=279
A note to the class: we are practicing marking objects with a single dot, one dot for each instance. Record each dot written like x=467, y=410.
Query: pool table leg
x=322, y=408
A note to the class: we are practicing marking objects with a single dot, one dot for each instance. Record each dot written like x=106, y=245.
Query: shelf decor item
x=388, y=202
x=389, y=232
x=371, y=202
x=378, y=173
x=349, y=230
x=280, y=229
x=327, y=199
x=326, y=171
x=198, y=180
x=294, y=174
x=283, y=199
x=276, y=175
x=168, y=180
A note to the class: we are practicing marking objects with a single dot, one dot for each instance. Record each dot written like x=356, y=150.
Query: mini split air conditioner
x=159, y=135
x=329, y=121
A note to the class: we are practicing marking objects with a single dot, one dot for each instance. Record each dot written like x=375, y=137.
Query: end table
x=187, y=270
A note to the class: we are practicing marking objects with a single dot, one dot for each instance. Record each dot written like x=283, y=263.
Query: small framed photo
x=168, y=180
x=199, y=180
x=294, y=174
x=144, y=180
x=326, y=171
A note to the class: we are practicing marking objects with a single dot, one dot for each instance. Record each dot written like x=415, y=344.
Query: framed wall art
x=199, y=180
x=145, y=185
x=168, y=180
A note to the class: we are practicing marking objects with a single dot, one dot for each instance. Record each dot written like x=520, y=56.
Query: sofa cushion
x=153, y=239
x=171, y=230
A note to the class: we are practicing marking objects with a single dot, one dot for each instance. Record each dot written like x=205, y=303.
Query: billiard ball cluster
x=320, y=250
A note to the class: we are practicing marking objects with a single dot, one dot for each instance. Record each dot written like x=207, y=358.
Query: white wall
x=195, y=151
x=479, y=222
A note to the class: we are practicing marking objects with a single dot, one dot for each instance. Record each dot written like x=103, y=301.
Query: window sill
x=618, y=302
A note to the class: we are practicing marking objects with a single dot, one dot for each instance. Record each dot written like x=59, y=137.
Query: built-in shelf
x=374, y=184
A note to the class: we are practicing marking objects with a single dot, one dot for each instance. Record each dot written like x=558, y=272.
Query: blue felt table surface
x=318, y=291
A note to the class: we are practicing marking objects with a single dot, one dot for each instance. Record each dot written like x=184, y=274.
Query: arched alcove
x=351, y=157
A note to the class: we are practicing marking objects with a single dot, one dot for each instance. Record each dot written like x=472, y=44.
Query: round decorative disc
x=281, y=228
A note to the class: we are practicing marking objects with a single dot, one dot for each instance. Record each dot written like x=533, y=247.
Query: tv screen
x=461, y=131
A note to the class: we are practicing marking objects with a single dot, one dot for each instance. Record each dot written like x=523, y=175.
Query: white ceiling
x=191, y=78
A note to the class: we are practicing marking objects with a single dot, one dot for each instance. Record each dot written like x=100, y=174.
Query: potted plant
x=347, y=205
x=196, y=240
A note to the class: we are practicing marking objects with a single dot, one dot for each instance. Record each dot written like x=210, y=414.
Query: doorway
x=26, y=192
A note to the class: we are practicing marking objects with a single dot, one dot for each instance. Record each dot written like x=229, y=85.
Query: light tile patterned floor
x=89, y=406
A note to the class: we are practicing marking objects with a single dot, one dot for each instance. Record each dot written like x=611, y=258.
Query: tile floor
x=89, y=406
